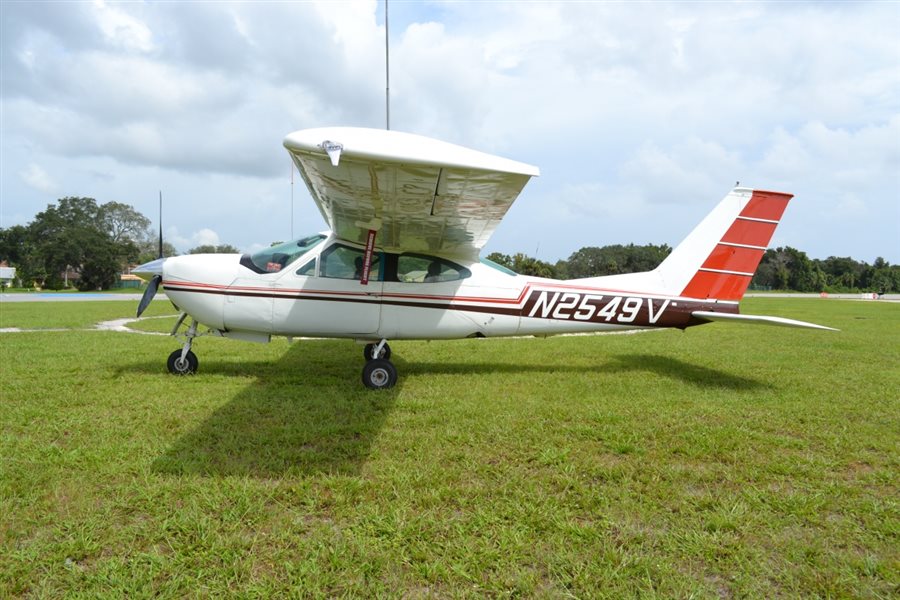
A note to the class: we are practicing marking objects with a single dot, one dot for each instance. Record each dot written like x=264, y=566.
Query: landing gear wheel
x=379, y=374
x=182, y=366
x=370, y=348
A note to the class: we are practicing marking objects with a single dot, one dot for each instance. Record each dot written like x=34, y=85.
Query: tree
x=75, y=234
x=17, y=248
x=613, y=260
x=14, y=244
x=526, y=265
x=213, y=249
x=504, y=260
x=123, y=222
x=842, y=273
x=523, y=265
x=789, y=269
x=149, y=249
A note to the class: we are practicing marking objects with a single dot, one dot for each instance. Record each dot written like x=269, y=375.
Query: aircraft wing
x=420, y=194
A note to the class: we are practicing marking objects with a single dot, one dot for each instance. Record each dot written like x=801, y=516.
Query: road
x=70, y=297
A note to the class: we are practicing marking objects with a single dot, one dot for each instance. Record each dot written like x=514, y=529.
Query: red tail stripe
x=766, y=205
x=754, y=226
x=731, y=258
x=751, y=233
x=721, y=286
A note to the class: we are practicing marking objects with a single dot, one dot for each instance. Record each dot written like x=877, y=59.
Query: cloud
x=687, y=171
x=662, y=104
x=123, y=29
x=201, y=237
x=36, y=177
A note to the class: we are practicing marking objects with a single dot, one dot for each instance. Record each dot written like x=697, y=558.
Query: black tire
x=370, y=348
x=188, y=366
x=379, y=374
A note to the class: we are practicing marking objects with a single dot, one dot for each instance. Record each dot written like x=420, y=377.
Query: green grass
x=724, y=461
x=75, y=314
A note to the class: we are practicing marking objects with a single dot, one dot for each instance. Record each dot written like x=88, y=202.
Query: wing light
x=334, y=150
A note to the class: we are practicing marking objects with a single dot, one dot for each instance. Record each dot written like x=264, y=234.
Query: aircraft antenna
x=160, y=226
x=292, y=199
x=387, y=69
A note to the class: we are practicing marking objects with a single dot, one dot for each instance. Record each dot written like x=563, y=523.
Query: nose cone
x=148, y=270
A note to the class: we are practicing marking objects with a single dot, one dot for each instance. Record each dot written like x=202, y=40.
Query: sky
x=640, y=115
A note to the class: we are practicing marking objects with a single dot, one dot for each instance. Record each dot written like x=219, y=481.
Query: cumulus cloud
x=201, y=237
x=662, y=104
x=122, y=29
x=36, y=177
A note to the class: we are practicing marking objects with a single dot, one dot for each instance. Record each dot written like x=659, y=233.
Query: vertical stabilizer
x=719, y=257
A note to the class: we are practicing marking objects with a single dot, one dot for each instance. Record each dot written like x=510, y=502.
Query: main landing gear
x=379, y=372
x=184, y=362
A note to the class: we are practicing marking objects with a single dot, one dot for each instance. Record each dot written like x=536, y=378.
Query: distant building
x=7, y=274
x=127, y=280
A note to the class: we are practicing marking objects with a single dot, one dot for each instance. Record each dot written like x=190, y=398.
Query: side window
x=417, y=268
x=344, y=262
x=308, y=269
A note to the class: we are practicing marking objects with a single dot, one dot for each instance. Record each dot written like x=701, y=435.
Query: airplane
x=408, y=217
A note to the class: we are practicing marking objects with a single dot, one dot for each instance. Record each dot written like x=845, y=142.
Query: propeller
x=153, y=267
x=152, y=287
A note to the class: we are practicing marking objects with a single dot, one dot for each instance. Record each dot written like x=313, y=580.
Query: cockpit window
x=343, y=262
x=417, y=268
x=275, y=258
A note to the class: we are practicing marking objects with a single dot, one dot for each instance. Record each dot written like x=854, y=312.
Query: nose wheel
x=379, y=373
x=184, y=361
x=182, y=365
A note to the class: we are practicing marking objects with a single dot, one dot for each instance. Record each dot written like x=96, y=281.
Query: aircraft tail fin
x=718, y=258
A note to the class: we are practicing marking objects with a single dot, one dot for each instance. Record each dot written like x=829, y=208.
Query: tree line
x=783, y=268
x=77, y=242
x=96, y=242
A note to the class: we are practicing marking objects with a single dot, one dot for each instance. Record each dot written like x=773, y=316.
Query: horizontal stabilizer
x=756, y=320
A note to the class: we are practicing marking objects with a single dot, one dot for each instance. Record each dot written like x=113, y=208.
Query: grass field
x=720, y=462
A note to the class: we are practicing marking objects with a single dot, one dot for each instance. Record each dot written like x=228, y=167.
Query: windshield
x=275, y=258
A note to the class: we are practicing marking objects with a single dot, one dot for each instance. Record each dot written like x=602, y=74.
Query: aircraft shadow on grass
x=697, y=375
x=664, y=366
x=306, y=414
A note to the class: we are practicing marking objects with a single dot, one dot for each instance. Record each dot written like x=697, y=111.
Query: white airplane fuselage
x=480, y=301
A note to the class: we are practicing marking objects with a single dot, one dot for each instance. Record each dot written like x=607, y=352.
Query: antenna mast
x=292, y=199
x=387, y=69
x=160, y=225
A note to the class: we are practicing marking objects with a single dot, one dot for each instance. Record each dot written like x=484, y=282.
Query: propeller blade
x=152, y=286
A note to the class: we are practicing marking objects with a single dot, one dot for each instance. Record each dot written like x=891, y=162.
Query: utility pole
x=387, y=69
x=160, y=225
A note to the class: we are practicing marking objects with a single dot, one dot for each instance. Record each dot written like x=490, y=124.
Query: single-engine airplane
x=409, y=216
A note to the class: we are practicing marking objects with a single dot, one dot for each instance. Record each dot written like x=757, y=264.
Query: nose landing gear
x=184, y=362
